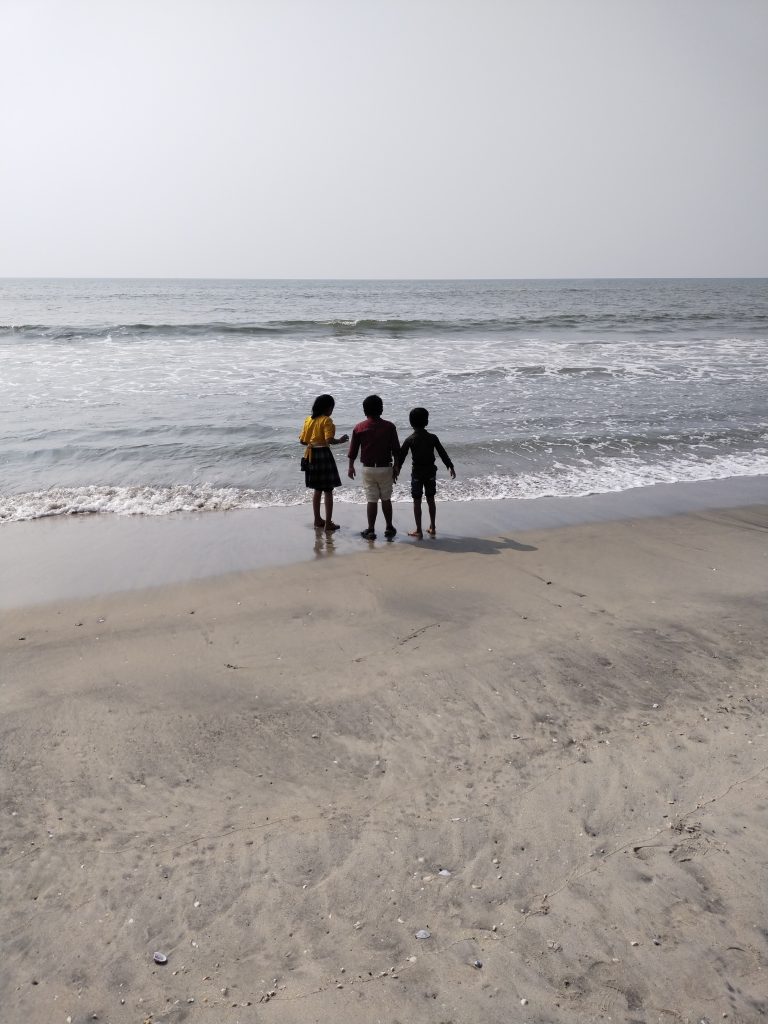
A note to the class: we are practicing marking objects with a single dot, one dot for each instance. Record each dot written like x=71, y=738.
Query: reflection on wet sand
x=324, y=546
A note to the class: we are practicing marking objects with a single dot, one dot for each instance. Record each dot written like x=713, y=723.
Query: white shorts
x=377, y=483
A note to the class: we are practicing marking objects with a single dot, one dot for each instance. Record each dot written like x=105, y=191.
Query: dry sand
x=262, y=776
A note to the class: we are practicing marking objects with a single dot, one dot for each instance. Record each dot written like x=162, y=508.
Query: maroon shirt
x=377, y=442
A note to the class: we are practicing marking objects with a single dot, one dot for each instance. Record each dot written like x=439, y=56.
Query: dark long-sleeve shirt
x=422, y=445
x=377, y=442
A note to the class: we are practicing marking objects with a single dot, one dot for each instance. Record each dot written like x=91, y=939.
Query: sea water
x=155, y=396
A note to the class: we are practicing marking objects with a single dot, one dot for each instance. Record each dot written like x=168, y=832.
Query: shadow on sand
x=473, y=545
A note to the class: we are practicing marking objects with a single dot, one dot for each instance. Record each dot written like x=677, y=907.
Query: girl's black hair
x=322, y=406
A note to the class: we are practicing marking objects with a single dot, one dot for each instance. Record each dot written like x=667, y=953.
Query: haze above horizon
x=402, y=140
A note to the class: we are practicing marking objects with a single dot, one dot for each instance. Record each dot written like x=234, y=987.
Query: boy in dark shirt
x=422, y=446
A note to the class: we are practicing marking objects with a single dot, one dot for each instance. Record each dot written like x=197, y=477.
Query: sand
x=262, y=775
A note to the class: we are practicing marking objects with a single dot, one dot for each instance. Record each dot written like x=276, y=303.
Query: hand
x=452, y=471
x=343, y=439
x=351, y=472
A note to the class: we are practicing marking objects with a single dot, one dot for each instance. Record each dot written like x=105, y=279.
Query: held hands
x=343, y=439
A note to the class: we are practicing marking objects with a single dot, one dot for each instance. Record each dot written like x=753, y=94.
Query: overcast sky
x=384, y=138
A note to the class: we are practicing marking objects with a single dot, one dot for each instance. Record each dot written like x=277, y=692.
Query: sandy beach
x=269, y=265
x=547, y=749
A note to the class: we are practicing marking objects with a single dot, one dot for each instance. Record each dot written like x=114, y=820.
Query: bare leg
x=417, y=516
x=372, y=509
x=316, y=496
x=432, y=514
x=386, y=508
x=330, y=526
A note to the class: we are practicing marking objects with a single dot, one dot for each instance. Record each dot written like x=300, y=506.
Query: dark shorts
x=426, y=485
x=322, y=474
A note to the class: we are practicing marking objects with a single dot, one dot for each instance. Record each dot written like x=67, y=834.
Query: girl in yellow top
x=320, y=471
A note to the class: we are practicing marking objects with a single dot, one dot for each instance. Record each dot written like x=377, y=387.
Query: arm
x=354, y=448
x=395, y=443
x=403, y=455
x=444, y=456
x=330, y=434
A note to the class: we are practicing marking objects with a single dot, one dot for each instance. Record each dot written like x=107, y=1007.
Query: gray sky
x=383, y=138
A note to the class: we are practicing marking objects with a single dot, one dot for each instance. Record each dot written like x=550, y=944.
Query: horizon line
x=131, y=277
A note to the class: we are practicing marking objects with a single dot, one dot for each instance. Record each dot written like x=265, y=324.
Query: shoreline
x=550, y=752
x=56, y=558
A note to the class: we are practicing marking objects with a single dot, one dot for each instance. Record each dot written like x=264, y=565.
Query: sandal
x=368, y=535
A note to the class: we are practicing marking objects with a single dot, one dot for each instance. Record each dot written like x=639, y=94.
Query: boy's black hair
x=373, y=406
x=322, y=406
x=419, y=418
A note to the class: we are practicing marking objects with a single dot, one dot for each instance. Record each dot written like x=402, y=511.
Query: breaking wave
x=602, y=477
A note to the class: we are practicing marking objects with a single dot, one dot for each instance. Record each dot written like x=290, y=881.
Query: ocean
x=157, y=396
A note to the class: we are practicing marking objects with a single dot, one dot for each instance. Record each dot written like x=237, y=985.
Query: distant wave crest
x=596, y=321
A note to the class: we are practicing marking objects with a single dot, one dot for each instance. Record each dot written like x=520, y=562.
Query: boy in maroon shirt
x=376, y=441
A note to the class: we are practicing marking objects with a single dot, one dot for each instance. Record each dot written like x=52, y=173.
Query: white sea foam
x=130, y=501
x=607, y=476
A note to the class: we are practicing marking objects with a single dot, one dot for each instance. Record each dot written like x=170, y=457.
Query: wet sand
x=79, y=556
x=262, y=775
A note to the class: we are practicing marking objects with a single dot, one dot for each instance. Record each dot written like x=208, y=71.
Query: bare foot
x=431, y=531
x=319, y=524
x=416, y=533
x=330, y=527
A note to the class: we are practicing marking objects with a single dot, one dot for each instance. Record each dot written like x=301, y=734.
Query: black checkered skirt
x=322, y=474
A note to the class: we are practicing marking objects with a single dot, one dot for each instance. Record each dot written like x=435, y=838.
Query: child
x=376, y=441
x=319, y=465
x=422, y=446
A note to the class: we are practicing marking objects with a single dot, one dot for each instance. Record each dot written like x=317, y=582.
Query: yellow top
x=318, y=431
